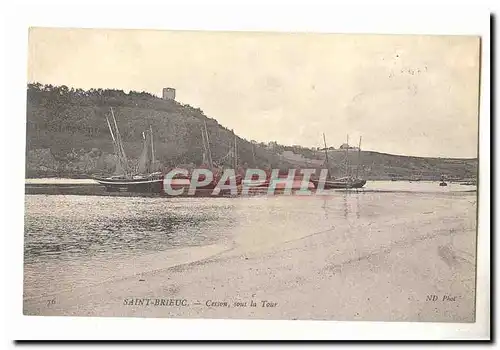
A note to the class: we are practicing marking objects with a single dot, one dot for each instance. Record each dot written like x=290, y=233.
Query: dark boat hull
x=153, y=184
x=329, y=185
x=142, y=185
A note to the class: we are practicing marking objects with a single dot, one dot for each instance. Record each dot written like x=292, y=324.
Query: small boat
x=443, y=182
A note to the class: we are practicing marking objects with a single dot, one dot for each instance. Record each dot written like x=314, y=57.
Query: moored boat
x=141, y=178
x=341, y=183
x=140, y=183
x=443, y=181
x=346, y=182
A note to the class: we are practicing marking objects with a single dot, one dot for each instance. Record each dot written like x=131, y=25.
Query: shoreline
x=357, y=269
x=92, y=188
x=69, y=177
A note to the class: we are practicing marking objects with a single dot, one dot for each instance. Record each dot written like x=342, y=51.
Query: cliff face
x=67, y=136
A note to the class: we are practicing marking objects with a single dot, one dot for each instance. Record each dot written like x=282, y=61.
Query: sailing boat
x=347, y=181
x=141, y=179
x=238, y=176
x=207, y=160
x=217, y=168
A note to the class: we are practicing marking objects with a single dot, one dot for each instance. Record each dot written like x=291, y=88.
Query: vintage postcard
x=251, y=175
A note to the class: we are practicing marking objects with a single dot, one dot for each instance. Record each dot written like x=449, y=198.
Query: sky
x=409, y=95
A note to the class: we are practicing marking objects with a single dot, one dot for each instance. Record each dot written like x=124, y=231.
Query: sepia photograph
x=251, y=175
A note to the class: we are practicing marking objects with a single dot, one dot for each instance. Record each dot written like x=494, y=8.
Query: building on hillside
x=346, y=146
x=168, y=93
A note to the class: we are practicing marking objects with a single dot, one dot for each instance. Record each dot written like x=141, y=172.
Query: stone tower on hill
x=168, y=94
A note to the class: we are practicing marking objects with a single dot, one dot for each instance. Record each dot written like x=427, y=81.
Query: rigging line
x=123, y=157
x=359, y=158
x=211, y=163
x=111, y=131
x=326, y=156
x=152, y=149
x=225, y=157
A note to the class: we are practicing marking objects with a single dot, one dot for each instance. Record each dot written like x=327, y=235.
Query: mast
x=235, y=155
x=143, y=163
x=118, y=139
x=347, y=157
x=122, y=156
x=152, y=150
x=205, y=151
x=359, y=158
x=119, y=166
x=326, y=156
x=208, y=148
x=253, y=155
x=111, y=131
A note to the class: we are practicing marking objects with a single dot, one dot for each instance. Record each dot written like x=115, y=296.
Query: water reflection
x=80, y=227
x=325, y=208
x=346, y=207
x=144, y=226
x=358, y=215
x=348, y=197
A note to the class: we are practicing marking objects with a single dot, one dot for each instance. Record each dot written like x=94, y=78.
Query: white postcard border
x=410, y=17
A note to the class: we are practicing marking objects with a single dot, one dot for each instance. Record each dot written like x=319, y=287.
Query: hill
x=67, y=136
x=382, y=166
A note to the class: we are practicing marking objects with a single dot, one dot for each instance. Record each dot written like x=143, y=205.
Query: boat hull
x=329, y=185
x=142, y=185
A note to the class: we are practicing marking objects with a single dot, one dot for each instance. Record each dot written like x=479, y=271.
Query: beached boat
x=443, y=181
x=142, y=178
x=183, y=181
x=341, y=183
x=141, y=183
x=347, y=181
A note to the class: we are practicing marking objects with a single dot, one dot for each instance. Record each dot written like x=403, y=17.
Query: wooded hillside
x=67, y=135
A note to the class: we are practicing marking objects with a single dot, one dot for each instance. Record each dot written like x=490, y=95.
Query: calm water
x=69, y=227
x=85, y=232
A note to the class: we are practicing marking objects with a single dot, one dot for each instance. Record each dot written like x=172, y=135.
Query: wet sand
x=416, y=265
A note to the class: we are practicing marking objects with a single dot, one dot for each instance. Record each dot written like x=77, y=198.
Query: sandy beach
x=402, y=263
